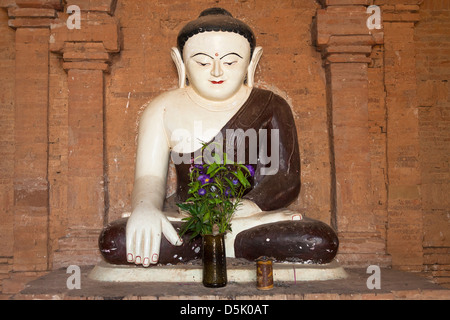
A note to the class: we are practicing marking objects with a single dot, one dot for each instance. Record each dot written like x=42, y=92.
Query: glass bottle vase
x=214, y=261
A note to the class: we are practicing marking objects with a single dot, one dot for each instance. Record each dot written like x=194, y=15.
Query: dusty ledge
x=395, y=285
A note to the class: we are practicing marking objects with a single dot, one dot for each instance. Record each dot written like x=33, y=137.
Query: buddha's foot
x=307, y=241
x=112, y=244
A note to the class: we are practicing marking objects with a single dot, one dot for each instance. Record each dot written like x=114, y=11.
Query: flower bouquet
x=216, y=189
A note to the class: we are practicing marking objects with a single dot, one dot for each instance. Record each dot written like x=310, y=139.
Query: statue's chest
x=188, y=130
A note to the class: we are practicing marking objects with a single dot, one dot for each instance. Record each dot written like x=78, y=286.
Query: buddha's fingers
x=130, y=242
x=170, y=233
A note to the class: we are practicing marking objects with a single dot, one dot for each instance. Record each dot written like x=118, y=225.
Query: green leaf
x=242, y=179
x=230, y=183
x=225, y=158
x=216, y=170
x=211, y=168
x=206, y=217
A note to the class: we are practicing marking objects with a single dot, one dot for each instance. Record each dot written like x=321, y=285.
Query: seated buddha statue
x=216, y=58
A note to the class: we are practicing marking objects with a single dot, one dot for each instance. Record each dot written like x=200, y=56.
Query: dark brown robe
x=267, y=111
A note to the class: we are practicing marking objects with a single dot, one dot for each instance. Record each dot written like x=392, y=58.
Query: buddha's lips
x=217, y=82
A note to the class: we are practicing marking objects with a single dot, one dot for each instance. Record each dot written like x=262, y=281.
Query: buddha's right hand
x=143, y=235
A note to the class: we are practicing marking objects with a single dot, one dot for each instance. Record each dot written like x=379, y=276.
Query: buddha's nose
x=217, y=69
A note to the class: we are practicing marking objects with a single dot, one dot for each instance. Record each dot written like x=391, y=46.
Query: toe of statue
x=307, y=241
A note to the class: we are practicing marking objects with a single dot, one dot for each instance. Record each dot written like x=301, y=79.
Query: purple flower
x=201, y=191
x=251, y=169
x=235, y=182
x=205, y=178
x=199, y=166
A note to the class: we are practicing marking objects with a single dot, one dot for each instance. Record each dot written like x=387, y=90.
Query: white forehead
x=217, y=42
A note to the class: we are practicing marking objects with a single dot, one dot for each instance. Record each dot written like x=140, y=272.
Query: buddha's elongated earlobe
x=257, y=53
x=176, y=57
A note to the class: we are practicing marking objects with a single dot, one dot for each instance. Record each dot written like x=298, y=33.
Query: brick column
x=346, y=43
x=405, y=226
x=31, y=187
x=86, y=56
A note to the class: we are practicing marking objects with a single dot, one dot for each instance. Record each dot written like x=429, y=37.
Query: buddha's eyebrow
x=231, y=54
x=201, y=53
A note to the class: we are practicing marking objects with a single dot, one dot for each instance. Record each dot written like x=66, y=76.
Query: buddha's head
x=217, y=54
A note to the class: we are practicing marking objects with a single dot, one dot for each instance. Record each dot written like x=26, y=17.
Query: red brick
x=98, y=5
x=54, y=4
x=31, y=12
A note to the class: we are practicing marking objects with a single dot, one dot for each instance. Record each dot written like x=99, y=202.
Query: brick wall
x=433, y=77
x=7, y=65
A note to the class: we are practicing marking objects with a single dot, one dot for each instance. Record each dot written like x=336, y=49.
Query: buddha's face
x=216, y=64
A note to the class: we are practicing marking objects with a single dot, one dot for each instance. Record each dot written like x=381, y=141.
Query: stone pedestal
x=237, y=271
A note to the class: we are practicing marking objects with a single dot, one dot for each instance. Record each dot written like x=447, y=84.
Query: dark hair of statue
x=215, y=19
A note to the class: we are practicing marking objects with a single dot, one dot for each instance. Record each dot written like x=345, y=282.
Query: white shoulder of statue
x=155, y=109
x=164, y=100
